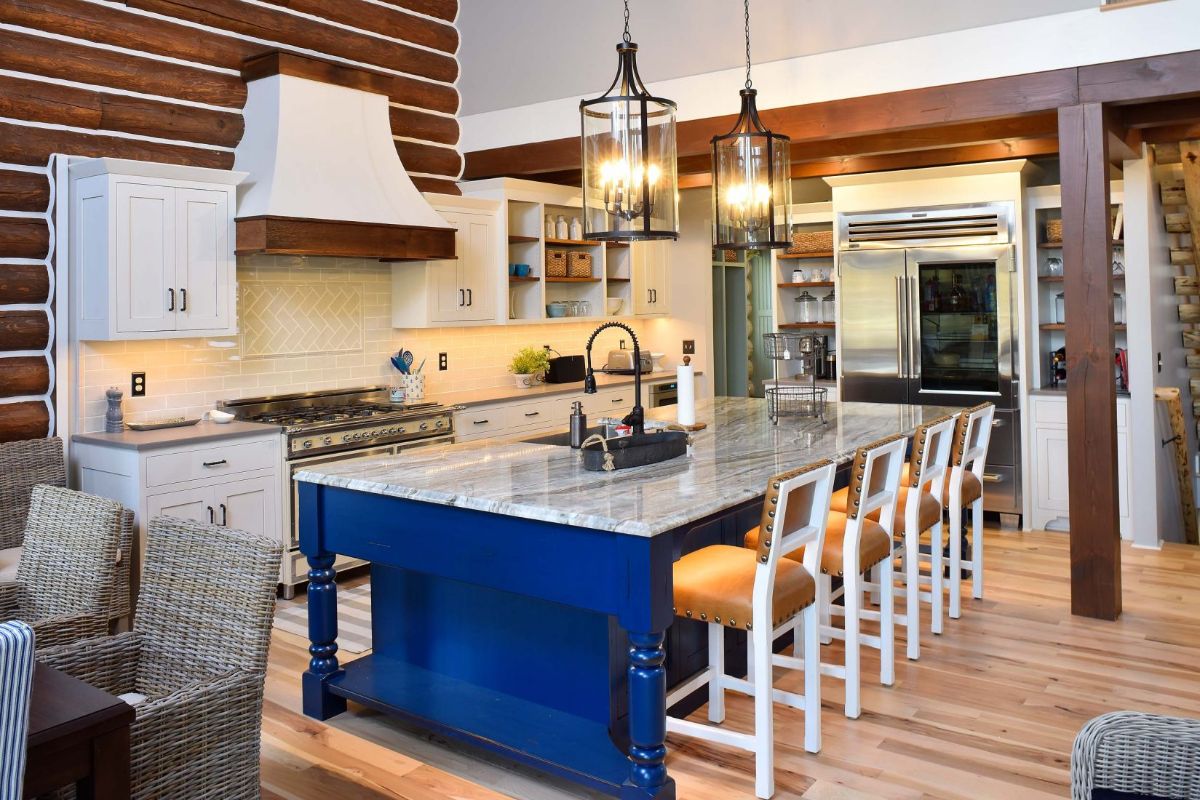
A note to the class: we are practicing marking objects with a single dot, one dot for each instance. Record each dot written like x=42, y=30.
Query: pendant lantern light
x=630, y=183
x=751, y=178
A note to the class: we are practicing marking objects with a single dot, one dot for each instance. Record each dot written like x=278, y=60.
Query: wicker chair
x=198, y=653
x=24, y=465
x=1139, y=755
x=64, y=586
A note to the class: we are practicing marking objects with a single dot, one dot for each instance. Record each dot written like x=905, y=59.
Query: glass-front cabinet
x=959, y=345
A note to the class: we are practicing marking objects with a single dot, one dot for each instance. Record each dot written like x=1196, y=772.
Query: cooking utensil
x=398, y=362
x=421, y=367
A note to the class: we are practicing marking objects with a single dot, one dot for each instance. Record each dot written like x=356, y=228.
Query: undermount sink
x=624, y=452
x=562, y=439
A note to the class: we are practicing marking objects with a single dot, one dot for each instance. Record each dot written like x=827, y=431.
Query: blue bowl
x=556, y=310
x=522, y=270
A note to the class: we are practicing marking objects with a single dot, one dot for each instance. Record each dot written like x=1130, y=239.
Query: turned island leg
x=319, y=702
x=647, y=719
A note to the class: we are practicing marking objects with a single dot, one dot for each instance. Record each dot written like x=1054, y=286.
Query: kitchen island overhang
x=521, y=604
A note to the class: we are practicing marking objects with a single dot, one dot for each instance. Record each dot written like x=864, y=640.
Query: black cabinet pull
x=171, y=305
x=183, y=299
x=481, y=422
x=532, y=413
x=470, y=298
x=462, y=298
x=215, y=463
x=618, y=400
x=211, y=518
x=224, y=515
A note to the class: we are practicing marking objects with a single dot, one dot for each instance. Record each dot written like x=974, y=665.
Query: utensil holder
x=414, y=387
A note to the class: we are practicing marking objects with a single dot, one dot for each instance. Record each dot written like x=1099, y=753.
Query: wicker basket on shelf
x=811, y=242
x=579, y=264
x=1054, y=230
x=556, y=263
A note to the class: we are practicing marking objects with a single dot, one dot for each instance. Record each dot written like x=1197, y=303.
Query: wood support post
x=1091, y=391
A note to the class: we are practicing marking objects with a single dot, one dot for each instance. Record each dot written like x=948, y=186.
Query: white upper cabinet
x=651, y=270
x=458, y=291
x=151, y=250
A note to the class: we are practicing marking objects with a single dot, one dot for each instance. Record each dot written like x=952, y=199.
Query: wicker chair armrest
x=10, y=599
x=67, y=628
x=220, y=718
x=109, y=663
x=1147, y=754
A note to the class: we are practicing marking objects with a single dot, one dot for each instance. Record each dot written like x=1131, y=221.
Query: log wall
x=158, y=80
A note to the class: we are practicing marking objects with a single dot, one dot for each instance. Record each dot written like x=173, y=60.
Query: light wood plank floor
x=990, y=710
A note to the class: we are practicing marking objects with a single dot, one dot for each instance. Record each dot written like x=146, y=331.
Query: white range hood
x=324, y=174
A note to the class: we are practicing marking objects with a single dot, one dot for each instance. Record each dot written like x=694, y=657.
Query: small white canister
x=414, y=386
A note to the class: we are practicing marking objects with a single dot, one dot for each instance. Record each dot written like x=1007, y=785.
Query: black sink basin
x=562, y=439
x=626, y=451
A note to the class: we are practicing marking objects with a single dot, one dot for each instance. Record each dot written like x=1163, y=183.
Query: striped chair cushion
x=16, y=680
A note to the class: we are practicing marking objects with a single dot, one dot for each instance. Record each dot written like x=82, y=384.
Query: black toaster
x=565, y=369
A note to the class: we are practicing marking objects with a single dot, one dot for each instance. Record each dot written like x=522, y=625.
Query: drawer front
x=211, y=462
x=480, y=423
x=1047, y=411
x=540, y=414
x=611, y=402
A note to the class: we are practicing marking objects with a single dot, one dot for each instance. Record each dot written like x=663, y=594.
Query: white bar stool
x=972, y=435
x=758, y=591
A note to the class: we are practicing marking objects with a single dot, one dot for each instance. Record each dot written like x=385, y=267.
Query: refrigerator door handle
x=914, y=335
x=901, y=330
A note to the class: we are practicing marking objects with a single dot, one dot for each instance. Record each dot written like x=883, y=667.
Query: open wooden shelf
x=1058, y=245
x=572, y=280
x=526, y=279
x=804, y=284
x=792, y=326
x=611, y=279
x=516, y=239
x=1062, y=326
x=822, y=254
x=572, y=243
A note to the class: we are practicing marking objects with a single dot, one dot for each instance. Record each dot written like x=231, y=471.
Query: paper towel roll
x=685, y=376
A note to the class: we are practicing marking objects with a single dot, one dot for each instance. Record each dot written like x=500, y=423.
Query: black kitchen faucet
x=636, y=419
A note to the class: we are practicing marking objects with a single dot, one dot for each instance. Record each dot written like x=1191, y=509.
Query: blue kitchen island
x=520, y=603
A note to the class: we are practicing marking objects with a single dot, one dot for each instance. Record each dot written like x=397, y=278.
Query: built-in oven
x=664, y=394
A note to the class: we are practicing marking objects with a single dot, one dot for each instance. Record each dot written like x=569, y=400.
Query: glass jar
x=806, y=308
x=1118, y=308
x=1060, y=308
x=829, y=308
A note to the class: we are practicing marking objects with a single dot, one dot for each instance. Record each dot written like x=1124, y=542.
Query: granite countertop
x=1061, y=391
x=203, y=431
x=731, y=462
x=497, y=394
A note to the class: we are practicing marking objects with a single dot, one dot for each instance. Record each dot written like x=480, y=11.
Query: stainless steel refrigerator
x=928, y=317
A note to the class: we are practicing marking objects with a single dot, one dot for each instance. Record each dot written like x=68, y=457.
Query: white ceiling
x=516, y=52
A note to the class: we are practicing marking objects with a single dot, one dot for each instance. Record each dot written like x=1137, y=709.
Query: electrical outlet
x=689, y=347
x=622, y=344
x=443, y=362
x=137, y=384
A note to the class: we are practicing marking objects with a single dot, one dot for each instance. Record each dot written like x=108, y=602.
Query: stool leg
x=853, y=599
x=956, y=564
x=824, y=592
x=977, y=549
x=935, y=570
x=912, y=593
x=764, y=712
x=798, y=635
x=812, y=679
x=716, y=671
x=876, y=572
x=887, y=623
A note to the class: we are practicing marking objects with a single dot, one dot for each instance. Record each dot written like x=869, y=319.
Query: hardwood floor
x=990, y=710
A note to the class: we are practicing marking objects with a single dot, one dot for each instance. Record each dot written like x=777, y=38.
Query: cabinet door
x=1052, y=477
x=202, y=259
x=445, y=283
x=248, y=505
x=659, y=269
x=146, y=299
x=639, y=270
x=478, y=266
x=190, y=504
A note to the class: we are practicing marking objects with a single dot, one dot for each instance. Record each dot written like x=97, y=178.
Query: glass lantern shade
x=630, y=180
x=752, y=184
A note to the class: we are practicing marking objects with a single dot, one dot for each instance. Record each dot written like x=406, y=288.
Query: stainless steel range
x=324, y=427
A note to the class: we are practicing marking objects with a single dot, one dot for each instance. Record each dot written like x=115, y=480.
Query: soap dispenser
x=578, y=425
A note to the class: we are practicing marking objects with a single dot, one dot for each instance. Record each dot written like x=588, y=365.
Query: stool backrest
x=972, y=435
x=795, y=512
x=930, y=458
x=875, y=479
x=16, y=682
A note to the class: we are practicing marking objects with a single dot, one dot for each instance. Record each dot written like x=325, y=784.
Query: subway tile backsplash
x=306, y=324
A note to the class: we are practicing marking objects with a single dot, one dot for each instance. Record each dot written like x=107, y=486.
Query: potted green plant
x=528, y=365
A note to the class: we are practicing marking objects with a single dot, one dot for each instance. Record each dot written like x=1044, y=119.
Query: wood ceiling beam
x=1140, y=80
x=1166, y=112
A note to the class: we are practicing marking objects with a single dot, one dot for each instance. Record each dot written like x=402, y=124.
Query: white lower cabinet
x=1051, y=479
x=234, y=482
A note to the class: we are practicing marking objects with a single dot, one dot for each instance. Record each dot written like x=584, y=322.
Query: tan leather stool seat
x=716, y=584
x=972, y=489
x=929, y=511
x=875, y=546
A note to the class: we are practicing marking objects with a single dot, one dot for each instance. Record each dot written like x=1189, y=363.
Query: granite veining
x=730, y=463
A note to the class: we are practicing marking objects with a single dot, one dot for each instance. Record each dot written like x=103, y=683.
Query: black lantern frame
x=752, y=184
x=630, y=179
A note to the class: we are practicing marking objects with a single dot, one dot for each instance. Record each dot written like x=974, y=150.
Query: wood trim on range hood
x=324, y=175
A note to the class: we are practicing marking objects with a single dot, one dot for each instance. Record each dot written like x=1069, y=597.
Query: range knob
x=327, y=440
x=439, y=423
x=400, y=430
x=424, y=426
x=307, y=443
x=346, y=437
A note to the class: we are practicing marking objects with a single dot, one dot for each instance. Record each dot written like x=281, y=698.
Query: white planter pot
x=526, y=381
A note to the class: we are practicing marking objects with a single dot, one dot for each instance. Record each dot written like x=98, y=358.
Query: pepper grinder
x=578, y=425
x=114, y=419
